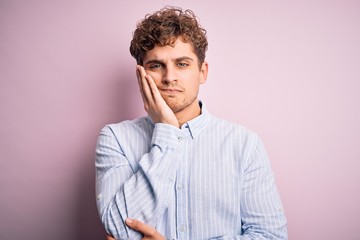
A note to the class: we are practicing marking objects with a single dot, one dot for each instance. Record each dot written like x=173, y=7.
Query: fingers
x=156, y=96
x=148, y=88
x=140, y=227
x=154, y=103
x=148, y=232
x=143, y=81
x=108, y=237
x=144, y=88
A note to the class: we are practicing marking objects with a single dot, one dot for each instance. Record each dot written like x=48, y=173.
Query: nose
x=169, y=75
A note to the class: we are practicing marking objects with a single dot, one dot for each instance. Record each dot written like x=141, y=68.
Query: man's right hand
x=148, y=232
x=108, y=237
x=154, y=103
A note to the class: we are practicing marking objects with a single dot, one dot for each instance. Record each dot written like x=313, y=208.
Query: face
x=176, y=72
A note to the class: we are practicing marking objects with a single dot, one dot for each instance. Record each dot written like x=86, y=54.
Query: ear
x=204, y=72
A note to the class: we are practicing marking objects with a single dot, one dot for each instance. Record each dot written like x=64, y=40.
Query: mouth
x=170, y=90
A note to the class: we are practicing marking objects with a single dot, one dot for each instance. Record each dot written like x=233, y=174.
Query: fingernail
x=129, y=220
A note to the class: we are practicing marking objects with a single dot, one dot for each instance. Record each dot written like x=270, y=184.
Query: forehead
x=179, y=48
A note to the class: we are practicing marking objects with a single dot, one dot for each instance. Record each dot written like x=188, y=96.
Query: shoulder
x=235, y=134
x=129, y=127
x=228, y=126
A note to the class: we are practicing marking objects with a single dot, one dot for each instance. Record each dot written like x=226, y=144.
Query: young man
x=181, y=173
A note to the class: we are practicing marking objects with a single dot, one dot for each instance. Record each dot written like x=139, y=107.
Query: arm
x=144, y=194
x=262, y=212
x=261, y=209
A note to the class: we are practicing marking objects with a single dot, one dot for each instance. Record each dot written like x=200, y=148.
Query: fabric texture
x=209, y=179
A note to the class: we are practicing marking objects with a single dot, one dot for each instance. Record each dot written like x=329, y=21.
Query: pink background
x=289, y=71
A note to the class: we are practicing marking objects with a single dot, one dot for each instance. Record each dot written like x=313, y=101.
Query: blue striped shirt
x=209, y=179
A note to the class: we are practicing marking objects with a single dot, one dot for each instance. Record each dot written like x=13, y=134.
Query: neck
x=189, y=113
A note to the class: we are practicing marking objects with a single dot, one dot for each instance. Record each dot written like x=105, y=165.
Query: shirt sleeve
x=262, y=213
x=123, y=193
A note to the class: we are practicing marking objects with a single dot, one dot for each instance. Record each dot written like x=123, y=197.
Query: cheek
x=155, y=76
x=192, y=88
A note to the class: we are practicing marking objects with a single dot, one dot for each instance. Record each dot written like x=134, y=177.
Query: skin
x=148, y=232
x=169, y=82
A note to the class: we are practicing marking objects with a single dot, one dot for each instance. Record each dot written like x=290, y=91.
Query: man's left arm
x=262, y=212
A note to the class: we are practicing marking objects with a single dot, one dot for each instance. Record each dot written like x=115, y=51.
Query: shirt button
x=180, y=139
x=182, y=228
x=180, y=187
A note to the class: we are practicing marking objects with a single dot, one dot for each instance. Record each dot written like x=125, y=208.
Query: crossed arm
x=158, y=110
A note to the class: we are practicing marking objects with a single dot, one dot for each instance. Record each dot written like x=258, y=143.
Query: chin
x=175, y=106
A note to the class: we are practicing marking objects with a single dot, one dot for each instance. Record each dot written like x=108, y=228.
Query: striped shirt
x=209, y=179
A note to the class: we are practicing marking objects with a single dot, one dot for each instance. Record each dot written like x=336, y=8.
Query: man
x=181, y=173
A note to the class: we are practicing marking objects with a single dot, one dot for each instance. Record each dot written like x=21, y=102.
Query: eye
x=182, y=64
x=155, y=66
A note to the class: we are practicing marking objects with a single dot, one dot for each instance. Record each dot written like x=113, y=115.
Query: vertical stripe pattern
x=210, y=179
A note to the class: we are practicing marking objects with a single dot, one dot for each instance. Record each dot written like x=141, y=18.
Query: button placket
x=180, y=188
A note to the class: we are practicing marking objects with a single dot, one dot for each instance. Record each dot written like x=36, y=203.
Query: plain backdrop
x=288, y=70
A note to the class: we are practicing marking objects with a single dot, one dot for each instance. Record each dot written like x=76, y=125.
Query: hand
x=154, y=104
x=108, y=237
x=148, y=232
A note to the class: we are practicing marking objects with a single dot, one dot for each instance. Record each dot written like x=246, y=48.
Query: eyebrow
x=179, y=59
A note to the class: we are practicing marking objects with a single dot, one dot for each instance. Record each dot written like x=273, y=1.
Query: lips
x=171, y=90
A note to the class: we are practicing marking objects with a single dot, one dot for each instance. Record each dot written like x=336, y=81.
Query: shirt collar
x=199, y=123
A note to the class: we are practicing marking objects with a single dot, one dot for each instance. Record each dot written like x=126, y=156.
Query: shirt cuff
x=166, y=135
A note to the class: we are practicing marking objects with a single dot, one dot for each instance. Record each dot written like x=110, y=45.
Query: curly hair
x=163, y=27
